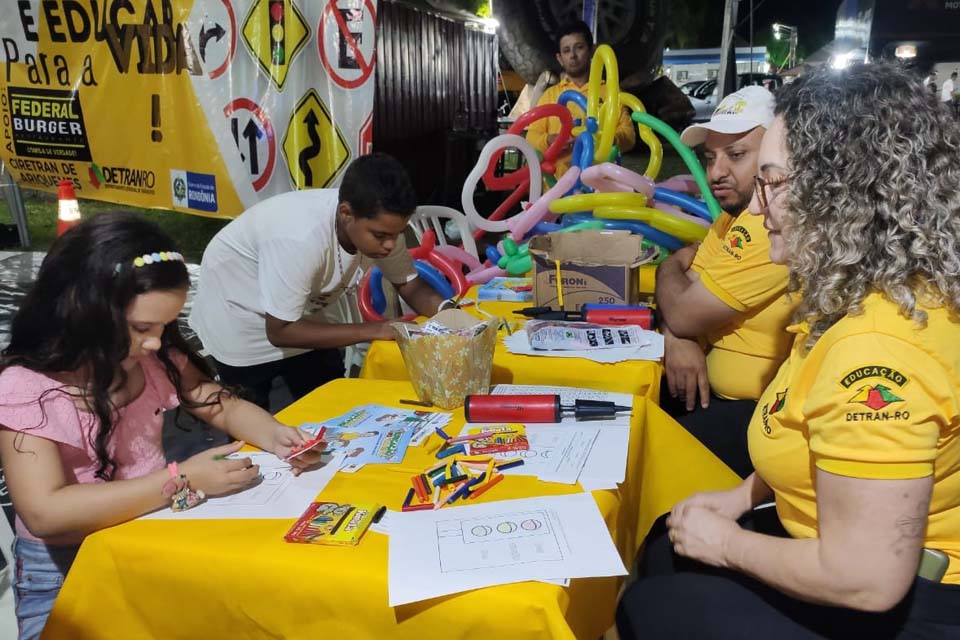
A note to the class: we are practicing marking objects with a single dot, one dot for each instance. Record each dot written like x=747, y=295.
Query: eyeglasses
x=762, y=186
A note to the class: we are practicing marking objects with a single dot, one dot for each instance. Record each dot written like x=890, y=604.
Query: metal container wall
x=436, y=95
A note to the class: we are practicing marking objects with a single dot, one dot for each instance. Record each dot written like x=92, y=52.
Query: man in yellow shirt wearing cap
x=574, y=52
x=723, y=303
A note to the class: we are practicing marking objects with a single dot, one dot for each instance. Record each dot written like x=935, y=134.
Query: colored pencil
x=486, y=487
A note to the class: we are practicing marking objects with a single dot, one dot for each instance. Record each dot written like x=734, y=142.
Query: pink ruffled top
x=35, y=404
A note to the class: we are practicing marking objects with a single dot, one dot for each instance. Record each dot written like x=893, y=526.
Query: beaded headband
x=154, y=258
x=162, y=256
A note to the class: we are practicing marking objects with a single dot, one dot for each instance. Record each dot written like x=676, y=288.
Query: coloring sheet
x=557, y=453
x=420, y=423
x=606, y=466
x=364, y=445
x=279, y=494
x=555, y=538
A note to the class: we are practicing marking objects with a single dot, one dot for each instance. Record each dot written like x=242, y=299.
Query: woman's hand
x=702, y=534
x=213, y=473
x=700, y=526
x=285, y=439
x=731, y=504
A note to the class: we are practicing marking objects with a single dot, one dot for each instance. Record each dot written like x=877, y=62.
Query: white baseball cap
x=739, y=112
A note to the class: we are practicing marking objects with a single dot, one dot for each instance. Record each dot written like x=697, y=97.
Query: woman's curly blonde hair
x=873, y=195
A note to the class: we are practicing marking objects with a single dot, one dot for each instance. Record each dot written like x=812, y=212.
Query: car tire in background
x=636, y=29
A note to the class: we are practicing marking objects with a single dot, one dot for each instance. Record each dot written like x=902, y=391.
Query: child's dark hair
x=378, y=182
x=570, y=28
x=74, y=317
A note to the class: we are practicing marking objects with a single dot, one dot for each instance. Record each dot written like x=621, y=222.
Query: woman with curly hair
x=857, y=439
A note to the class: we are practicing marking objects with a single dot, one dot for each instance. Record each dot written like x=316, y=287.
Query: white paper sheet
x=567, y=394
x=279, y=495
x=564, y=582
x=606, y=466
x=518, y=343
x=383, y=525
x=435, y=553
x=557, y=453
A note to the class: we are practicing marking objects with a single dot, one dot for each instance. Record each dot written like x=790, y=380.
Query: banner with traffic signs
x=199, y=106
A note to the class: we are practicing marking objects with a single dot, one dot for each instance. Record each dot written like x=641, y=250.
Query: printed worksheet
x=606, y=466
x=278, y=494
x=435, y=553
x=365, y=445
x=420, y=423
x=557, y=453
x=567, y=394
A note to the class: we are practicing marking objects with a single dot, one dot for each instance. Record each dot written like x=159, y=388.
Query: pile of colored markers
x=456, y=477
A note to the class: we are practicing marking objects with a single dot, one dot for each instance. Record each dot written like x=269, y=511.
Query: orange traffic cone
x=68, y=210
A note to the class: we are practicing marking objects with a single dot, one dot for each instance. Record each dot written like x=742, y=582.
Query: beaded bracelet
x=182, y=497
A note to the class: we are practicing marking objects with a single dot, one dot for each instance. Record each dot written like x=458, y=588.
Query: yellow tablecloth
x=638, y=378
x=237, y=579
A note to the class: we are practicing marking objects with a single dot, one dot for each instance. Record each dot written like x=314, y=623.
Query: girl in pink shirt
x=95, y=359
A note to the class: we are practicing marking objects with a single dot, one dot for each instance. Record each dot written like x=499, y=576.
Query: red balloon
x=513, y=179
x=443, y=264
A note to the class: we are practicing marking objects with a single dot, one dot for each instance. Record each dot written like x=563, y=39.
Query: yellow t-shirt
x=734, y=264
x=877, y=398
x=625, y=136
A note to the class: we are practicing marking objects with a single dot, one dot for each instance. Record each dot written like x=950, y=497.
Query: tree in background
x=687, y=21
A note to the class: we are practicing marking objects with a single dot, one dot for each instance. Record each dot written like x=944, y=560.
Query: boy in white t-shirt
x=272, y=279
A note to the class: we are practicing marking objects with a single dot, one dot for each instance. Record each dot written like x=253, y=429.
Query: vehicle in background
x=919, y=33
x=704, y=97
x=689, y=87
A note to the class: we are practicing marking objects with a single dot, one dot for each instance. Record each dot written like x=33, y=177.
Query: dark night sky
x=813, y=18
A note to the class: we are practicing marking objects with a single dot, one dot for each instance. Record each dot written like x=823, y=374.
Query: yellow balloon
x=590, y=202
x=604, y=62
x=682, y=230
x=649, y=138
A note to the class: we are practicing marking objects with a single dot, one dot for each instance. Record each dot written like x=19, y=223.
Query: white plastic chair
x=355, y=354
x=432, y=217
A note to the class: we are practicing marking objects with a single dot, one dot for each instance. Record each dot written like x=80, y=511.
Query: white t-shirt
x=278, y=257
x=946, y=93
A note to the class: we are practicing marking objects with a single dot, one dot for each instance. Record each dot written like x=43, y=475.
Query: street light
x=779, y=30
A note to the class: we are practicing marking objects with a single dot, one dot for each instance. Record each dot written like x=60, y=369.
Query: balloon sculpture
x=439, y=271
x=596, y=192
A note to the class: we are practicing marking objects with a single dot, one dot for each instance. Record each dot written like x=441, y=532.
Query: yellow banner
x=202, y=106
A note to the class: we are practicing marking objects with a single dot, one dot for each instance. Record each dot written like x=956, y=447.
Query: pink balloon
x=672, y=210
x=682, y=183
x=602, y=185
x=608, y=176
x=484, y=276
x=458, y=255
x=520, y=224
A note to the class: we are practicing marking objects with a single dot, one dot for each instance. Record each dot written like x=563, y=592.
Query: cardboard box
x=596, y=267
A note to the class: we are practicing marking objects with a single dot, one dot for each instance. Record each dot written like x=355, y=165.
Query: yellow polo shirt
x=625, y=137
x=734, y=264
x=877, y=398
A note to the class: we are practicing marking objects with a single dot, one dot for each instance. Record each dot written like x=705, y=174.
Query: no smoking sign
x=346, y=40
